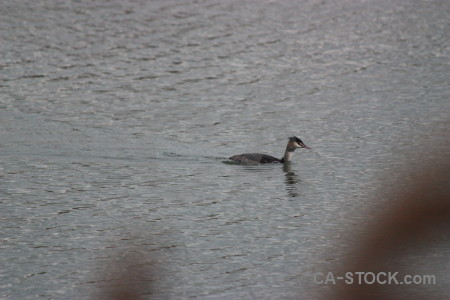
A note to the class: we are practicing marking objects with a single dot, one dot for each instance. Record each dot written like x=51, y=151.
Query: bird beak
x=304, y=146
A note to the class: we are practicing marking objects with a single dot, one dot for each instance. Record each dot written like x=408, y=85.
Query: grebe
x=257, y=158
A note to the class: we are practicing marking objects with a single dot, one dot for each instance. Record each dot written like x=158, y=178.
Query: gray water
x=117, y=117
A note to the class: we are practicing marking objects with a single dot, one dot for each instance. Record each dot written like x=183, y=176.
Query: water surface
x=116, y=118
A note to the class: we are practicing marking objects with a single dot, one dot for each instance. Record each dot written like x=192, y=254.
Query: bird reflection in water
x=291, y=180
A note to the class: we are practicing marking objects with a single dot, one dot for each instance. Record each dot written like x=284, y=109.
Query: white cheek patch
x=297, y=145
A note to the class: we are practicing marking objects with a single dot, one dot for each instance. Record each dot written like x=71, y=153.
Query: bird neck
x=287, y=157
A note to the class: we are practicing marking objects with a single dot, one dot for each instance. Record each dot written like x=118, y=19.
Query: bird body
x=254, y=158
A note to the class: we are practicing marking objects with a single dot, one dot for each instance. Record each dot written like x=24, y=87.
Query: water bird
x=258, y=158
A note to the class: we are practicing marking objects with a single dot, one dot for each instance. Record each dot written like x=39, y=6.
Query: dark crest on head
x=295, y=139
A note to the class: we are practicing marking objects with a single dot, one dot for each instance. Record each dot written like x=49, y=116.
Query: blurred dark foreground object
x=418, y=218
x=129, y=275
